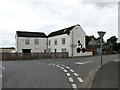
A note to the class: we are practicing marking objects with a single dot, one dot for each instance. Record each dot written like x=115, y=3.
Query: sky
x=52, y=15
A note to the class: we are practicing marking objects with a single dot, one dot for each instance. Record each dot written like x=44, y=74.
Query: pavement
x=52, y=73
x=107, y=76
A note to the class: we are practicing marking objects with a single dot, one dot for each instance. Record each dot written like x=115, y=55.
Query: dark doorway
x=55, y=50
x=26, y=50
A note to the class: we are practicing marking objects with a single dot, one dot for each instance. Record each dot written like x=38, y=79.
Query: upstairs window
x=55, y=42
x=27, y=41
x=63, y=40
x=36, y=41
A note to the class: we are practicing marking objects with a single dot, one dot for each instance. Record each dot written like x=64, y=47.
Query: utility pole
x=101, y=34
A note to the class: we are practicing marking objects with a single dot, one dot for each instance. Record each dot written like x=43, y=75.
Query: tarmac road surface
x=52, y=73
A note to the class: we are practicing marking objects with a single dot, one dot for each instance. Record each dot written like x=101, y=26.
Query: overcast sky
x=51, y=15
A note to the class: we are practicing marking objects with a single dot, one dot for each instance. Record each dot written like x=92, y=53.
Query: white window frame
x=27, y=41
x=36, y=41
x=63, y=40
x=63, y=50
x=55, y=42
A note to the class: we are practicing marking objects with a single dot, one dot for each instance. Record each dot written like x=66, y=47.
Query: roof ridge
x=29, y=31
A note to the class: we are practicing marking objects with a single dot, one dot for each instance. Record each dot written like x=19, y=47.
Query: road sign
x=101, y=33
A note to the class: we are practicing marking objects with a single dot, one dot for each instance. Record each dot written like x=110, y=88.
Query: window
x=63, y=49
x=36, y=41
x=49, y=42
x=49, y=49
x=55, y=42
x=27, y=41
x=63, y=40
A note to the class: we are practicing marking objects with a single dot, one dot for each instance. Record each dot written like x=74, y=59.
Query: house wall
x=78, y=34
x=59, y=45
x=34, y=48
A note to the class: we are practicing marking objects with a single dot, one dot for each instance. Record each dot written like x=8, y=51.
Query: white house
x=29, y=42
x=66, y=40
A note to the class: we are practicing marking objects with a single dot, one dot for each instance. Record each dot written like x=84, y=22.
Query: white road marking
x=80, y=79
x=49, y=64
x=57, y=66
x=74, y=85
x=72, y=70
x=76, y=74
x=53, y=64
x=2, y=67
x=62, y=68
x=0, y=75
x=83, y=62
x=63, y=65
x=79, y=63
x=67, y=67
x=71, y=79
x=116, y=60
x=65, y=70
x=68, y=74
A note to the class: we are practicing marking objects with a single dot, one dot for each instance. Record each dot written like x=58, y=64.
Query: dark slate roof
x=30, y=34
x=63, y=31
x=93, y=46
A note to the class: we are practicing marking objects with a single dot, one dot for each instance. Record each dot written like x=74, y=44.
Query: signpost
x=101, y=34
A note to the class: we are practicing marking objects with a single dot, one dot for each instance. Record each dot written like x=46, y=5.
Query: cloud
x=50, y=15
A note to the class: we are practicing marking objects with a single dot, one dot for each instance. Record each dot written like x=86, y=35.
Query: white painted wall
x=78, y=34
x=59, y=45
x=34, y=48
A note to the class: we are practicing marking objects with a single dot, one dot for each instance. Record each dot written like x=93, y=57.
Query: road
x=52, y=73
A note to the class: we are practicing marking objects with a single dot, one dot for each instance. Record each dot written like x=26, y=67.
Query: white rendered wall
x=59, y=45
x=78, y=34
x=34, y=48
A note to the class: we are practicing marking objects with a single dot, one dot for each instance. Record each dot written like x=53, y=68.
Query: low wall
x=87, y=53
x=29, y=56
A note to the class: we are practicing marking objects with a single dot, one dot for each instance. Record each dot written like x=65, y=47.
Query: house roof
x=92, y=42
x=62, y=31
x=93, y=46
x=30, y=34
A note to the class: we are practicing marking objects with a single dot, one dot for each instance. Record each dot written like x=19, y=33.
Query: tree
x=99, y=38
x=112, y=40
x=87, y=40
